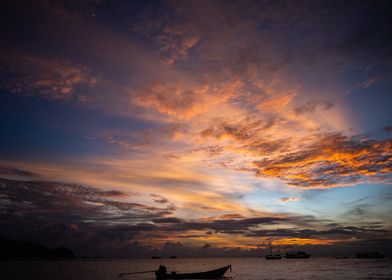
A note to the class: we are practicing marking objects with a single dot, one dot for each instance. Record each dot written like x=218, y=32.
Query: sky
x=197, y=128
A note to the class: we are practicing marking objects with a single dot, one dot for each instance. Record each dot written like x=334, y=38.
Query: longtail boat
x=161, y=274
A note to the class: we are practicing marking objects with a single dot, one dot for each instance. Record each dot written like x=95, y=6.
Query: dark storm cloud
x=71, y=203
x=78, y=216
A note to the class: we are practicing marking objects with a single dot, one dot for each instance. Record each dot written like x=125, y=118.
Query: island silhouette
x=24, y=250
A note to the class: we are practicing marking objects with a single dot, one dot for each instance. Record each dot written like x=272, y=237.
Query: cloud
x=170, y=100
x=308, y=160
x=168, y=220
x=183, y=97
x=159, y=199
x=288, y=199
x=313, y=105
x=12, y=172
x=48, y=78
x=337, y=231
x=173, y=41
x=112, y=223
x=276, y=103
x=70, y=202
x=330, y=161
x=388, y=129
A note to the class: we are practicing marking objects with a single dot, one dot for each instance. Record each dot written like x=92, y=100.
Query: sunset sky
x=132, y=128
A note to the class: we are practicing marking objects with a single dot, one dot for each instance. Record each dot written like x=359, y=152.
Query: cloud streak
x=45, y=77
x=59, y=213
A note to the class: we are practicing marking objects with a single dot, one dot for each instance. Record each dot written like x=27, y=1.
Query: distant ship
x=373, y=255
x=156, y=257
x=271, y=256
x=341, y=257
x=297, y=255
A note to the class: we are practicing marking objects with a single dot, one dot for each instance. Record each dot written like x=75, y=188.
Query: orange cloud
x=277, y=103
x=303, y=241
x=45, y=77
x=184, y=100
x=330, y=161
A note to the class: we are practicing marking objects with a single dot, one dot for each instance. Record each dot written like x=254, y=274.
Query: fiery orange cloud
x=332, y=160
x=303, y=241
x=276, y=104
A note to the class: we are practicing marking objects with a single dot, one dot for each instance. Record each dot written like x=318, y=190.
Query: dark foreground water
x=243, y=268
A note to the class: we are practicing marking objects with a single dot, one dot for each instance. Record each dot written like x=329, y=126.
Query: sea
x=242, y=268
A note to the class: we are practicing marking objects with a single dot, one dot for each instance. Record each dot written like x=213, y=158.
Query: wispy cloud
x=48, y=78
x=288, y=199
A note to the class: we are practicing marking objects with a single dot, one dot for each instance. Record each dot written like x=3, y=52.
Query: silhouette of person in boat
x=161, y=272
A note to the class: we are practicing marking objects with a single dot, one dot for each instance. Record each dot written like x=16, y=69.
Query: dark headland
x=22, y=250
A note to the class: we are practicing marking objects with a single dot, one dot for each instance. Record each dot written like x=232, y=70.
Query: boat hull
x=370, y=256
x=212, y=274
x=273, y=257
x=297, y=255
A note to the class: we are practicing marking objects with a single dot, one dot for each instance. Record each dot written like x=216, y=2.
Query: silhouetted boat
x=341, y=257
x=173, y=257
x=156, y=257
x=271, y=256
x=161, y=274
x=297, y=255
x=373, y=255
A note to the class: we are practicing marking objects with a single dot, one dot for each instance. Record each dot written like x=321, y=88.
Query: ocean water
x=243, y=268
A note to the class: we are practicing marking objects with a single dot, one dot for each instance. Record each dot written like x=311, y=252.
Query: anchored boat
x=161, y=274
x=373, y=255
x=297, y=255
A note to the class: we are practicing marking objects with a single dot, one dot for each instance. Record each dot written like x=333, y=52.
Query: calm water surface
x=243, y=268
